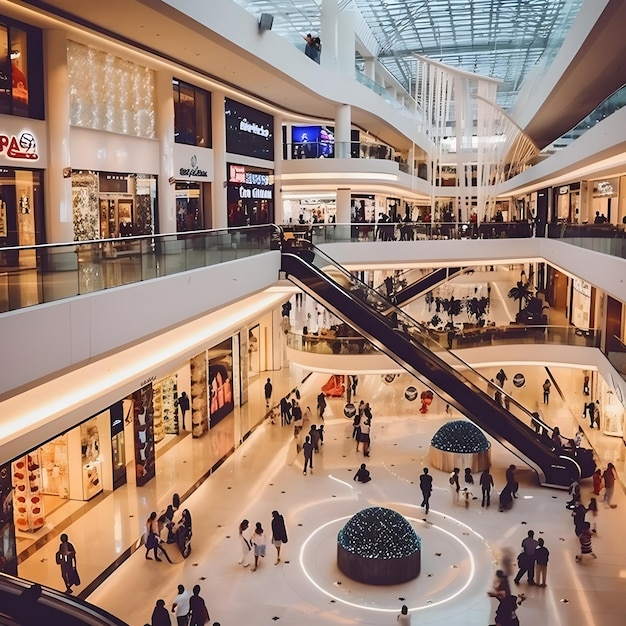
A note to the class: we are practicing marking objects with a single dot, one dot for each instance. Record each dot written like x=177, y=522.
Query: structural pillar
x=219, y=211
x=329, y=33
x=165, y=133
x=278, y=167
x=343, y=124
x=344, y=199
x=58, y=207
x=346, y=41
x=370, y=68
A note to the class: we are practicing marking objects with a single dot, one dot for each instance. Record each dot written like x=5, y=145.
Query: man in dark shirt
x=268, y=393
x=426, y=486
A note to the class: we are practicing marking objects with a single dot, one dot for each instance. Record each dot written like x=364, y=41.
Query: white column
x=278, y=168
x=343, y=123
x=165, y=134
x=218, y=121
x=58, y=207
x=329, y=34
x=343, y=205
x=346, y=46
x=370, y=68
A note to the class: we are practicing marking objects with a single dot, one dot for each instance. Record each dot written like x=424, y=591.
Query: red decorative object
x=335, y=387
x=426, y=397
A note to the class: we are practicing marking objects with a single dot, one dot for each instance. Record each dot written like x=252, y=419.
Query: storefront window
x=108, y=205
x=250, y=195
x=188, y=206
x=21, y=212
x=21, y=70
x=192, y=115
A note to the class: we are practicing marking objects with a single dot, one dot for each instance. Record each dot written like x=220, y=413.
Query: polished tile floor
x=461, y=546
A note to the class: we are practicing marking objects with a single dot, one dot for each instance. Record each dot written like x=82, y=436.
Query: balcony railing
x=327, y=342
x=33, y=275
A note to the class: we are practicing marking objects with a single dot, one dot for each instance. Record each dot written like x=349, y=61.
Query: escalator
x=23, y=603
x=425, y=284
x=413, y=347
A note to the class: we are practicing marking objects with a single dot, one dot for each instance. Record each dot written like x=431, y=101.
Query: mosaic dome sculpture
x=378, y=546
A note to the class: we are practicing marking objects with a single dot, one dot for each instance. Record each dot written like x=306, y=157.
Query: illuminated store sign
x=19, y=148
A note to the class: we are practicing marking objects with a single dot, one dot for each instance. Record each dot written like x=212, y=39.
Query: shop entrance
x=192, y=206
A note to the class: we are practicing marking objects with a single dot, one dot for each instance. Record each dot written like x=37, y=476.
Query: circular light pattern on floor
x=450, y=550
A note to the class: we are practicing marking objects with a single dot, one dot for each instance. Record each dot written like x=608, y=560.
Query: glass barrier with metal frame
x=31, y=275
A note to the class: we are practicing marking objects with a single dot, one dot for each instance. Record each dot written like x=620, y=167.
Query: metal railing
x=327, y=342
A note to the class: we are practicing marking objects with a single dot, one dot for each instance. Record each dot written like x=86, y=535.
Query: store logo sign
x=193, y=170
x=254, y=128
x=19, y=148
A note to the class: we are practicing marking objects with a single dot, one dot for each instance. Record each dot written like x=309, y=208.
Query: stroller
x=183, y=534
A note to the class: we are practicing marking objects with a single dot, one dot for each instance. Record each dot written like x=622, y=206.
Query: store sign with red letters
x=22, y=147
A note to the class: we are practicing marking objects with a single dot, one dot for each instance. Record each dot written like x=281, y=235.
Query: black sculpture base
x=379, y=571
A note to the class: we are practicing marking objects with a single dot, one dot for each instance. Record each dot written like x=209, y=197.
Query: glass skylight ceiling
x=498, y=38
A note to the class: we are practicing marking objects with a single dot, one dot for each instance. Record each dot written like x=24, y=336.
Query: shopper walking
x=183, y=405
x=585, y=543
x=542, y=555
x=160, y=615
x=364, y=437
x=245, y=534
x=180, y=606
x=268, y=393
x=279, y=533
x=486, y=484
x=597, y=482
x=197, y=608
x=546, y=390
x=285, y=412
x=526, y=559
x=152, y=538
x=321, y=404
x=578, y=514
x=356, y=423
x=66, y=558
x=307, y=449
x=315, y=437
x=259, y=542
x=511, y=483
x=454, y=485
x=426, y=487
x=609, y=477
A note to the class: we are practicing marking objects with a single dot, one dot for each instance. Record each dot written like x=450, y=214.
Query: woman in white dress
x=245, y=534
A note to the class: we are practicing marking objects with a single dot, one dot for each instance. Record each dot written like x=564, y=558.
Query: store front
x=605, y=201
x=21, y=214
x=320, y=208
x=107, y=205
x=581, y=304
x=249, y=195
x=192, y=187
x=567, y=203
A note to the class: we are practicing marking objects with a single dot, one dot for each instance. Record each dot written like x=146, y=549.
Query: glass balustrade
x=327, y=341
x=33, y=275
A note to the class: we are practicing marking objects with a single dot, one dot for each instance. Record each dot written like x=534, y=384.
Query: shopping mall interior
x=419, y=206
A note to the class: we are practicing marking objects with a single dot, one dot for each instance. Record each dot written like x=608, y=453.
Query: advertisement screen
x=312, y=142
x=249, y=132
